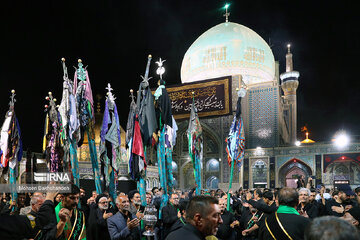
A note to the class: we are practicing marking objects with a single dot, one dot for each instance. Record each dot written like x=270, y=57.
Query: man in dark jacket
x=41, y=226
x=124, y=225
x=267, y=206
x=181, y=221
x=286, y=222
x=97, y=225
x=335, y=206
x=203, y=218
x=305, y=208
x=226, y=229
x=170, y=213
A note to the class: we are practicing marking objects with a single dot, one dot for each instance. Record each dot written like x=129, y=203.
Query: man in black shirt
x=334, y=206
x=226, y=229
x=170, y=213
x=267, y=205
x=305, y=208
x=285, y=223
x=203, y=218
x=182, y=220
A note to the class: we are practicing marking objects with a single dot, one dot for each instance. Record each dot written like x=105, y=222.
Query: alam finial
x=227, y=14
x=12, y=99
x=146, y=77
x=160, y=71
x=288, y=47
x=109, y=94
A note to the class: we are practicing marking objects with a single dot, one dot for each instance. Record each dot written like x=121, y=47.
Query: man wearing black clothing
x=226, y=229
x=40, y=225
x=124, y=225
x=305, y=208
x=267, y=205
x=99, y=212
x=285, y=223
x=250, y=221
x=15, y=206
x=203, y=219
x=258, y=194
x=334, y=206
x=181, y=221
x=170, y=213
x=83, y=205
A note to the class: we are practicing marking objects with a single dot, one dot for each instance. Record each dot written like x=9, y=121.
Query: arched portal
x=342, y=170
x=187, y=175
x=291, y=170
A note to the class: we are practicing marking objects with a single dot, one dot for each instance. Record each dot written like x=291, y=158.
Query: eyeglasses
x=104, y=202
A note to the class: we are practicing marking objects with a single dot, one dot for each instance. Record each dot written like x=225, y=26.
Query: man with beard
x=70, y=220
x=305, y=208
x=226, y=229
x=13, y=207
x=319, y=204
x=84, y=205
x=26, y=210
x=352, y=216
x=170, y=213
x=357, y=195
x=124, y=225
x=286, y=222
x=203, y=217
x=99, y=213
x=335, y=206
x=135, y=203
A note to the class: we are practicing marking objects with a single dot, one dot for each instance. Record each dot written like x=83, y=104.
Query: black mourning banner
x=212, y=98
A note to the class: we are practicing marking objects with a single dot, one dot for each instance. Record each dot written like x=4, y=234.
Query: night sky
x=114, y=38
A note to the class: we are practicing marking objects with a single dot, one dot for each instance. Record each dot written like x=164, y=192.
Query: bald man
x=124, y=225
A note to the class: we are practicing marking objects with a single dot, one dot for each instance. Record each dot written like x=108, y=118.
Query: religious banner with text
x=212, y=98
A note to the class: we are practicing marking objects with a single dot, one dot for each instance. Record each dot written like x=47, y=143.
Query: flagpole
x=235, y=142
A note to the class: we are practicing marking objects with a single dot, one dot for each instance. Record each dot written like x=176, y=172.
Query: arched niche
x=289, y=171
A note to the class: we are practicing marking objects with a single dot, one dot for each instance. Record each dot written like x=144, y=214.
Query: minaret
x=289, y=84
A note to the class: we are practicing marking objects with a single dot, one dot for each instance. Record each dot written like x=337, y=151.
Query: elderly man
x=36, y=201
x=26, y=210
x=70, y=220
x=305, y=208
x=286, y=222
x=203, y=217
x=97, y=222
x=123, y=225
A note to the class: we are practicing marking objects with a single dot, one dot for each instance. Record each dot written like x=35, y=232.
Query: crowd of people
x=285, y=213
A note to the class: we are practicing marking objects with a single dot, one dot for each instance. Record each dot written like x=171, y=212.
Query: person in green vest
x=70, y=220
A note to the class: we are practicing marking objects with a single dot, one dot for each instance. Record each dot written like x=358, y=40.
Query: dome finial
x=288, y=46
x=227, y=14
